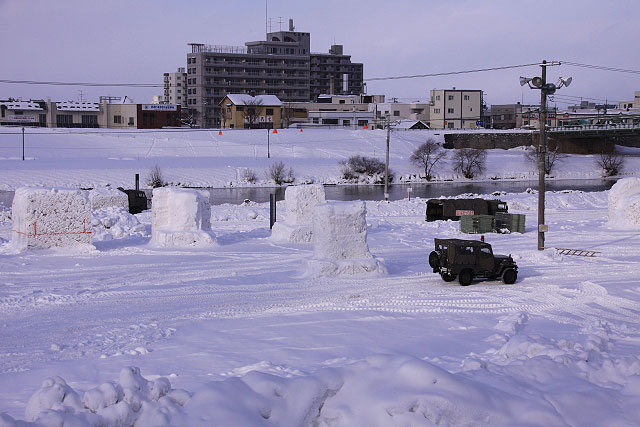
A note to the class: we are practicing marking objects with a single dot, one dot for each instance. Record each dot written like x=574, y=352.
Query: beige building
x=242, y=111
x=623, y=105
x=23, y=113
x=175, y=88
x=455, y=109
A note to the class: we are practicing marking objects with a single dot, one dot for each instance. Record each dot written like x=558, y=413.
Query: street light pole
x=23, y=144
x=268, y=145
x=386, y=164
x=542, y=155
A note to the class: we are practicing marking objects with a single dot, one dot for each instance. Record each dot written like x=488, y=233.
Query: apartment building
x=455, y=109
x=282, y=65
x=175, y=88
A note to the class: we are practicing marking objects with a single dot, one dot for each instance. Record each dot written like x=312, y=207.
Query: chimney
x=291, y=27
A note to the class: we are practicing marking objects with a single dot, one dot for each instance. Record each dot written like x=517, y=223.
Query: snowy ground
x=254, y=343
x=203, y=158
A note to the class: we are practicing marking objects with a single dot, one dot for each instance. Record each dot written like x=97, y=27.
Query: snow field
x=258, y=345
x=299, y=202
x=50, y=217
x=181, y=217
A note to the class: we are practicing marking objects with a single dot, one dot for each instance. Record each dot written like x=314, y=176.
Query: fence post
x=272, y=210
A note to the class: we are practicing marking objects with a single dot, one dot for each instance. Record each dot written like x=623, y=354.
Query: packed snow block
x=107, y=197
x=299, y=200
x=624, y=204
x=180, y=218
x=50, y=217
x=340, y=241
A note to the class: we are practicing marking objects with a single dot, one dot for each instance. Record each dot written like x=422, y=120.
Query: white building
x=455, y=109
x=341, y=118
x=623, y=105
x=22, y=113
x=412, y=111
x=175, y=88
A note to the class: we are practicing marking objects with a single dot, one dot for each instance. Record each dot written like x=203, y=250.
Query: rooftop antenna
x=280, y=21
x=266, y=18
x=81, y=96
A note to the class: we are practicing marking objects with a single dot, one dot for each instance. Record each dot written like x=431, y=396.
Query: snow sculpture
x=181, y=217
x=624, y=204
x=340, y=241
x=107, y=197
x=299, y=202
x=50, y=217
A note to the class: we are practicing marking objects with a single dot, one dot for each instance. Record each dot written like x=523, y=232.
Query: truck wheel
x=448, y=277
x=465, y=278
x=509, y=276
x=434, y=259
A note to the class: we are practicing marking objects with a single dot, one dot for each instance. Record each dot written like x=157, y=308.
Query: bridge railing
x=595, y=127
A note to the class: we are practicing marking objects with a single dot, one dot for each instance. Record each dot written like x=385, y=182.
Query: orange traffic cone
x=365, y=127
x=220, y=133
x=275, y=131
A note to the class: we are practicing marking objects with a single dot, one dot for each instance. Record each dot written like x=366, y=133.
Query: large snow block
x=340, y=241
x=181, y=217
x=299, y=200
x=624, y=204
x=107, y=197
x=50, y=217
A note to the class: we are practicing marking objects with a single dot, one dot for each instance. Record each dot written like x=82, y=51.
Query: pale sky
x=136, y=41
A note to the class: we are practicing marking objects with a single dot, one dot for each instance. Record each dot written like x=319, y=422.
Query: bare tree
x=611, y=163
x=225, y=115
x=252, y=111
x=427, y=156
x=190, y=117
x=155, y=178
x=551, y=157
x=287, y=114
x=279, y=173
x=470, y=161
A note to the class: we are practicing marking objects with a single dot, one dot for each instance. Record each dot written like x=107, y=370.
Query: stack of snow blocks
x=340, y=242
x=107, y=197
x=624, y=204
x=50, y=217
x=299, y=200
x=181, y=218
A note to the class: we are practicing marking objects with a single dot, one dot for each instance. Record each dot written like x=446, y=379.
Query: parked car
x=470, y=259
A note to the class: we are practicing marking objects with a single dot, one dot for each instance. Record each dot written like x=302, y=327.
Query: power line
x=35, y=82
x=449, y=73
x=601, y=67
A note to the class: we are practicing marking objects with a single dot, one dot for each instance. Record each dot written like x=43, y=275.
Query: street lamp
x=545, y=89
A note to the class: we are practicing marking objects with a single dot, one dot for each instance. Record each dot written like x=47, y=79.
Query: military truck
x=469, y=259
x=443, y=209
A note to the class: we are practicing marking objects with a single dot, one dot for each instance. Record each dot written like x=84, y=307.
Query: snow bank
x=115, y=223
x=377, y=391
x=181, y=217
x=300, y=200
x=340, y=241
x=105, y=197
x=131, y=400
x=624, y=204
x=50, y=217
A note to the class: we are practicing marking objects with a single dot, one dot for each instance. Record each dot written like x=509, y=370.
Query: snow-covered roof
x=244, y=99
x=407, y=124
x=21, y=105
x=77, y=106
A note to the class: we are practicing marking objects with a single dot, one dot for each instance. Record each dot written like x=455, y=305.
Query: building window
x=89, y=120
x=117, y=119
x=240, y=108
x=466, y=97
x=450, y=97
x=269, y=112
x=396, y=113
x=450, y=110
x=193, y=80
x=437, y=97
x=436, y=111
x=194, y=90
x=130, y=121
x=64, y=120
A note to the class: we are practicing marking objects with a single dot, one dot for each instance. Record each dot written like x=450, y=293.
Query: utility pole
x=542, y=156
x=268, y=148
x=23, y=144
x=386, y=164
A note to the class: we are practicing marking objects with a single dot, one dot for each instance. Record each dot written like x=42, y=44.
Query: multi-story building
x=506, y=116
x=451, y=108
x=282, y=66
x=175, y=88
